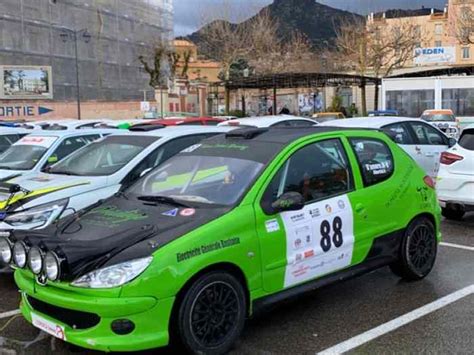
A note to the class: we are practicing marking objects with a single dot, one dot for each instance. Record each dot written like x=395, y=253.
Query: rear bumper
x=455, y=189
x=96, y=315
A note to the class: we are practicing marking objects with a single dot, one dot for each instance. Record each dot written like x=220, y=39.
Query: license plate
x=49, y=327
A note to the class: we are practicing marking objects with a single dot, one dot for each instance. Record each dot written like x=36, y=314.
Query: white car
x=455, y=185
x=8, y=136
x=38, y=150
x=423, y=142
x=444, y=120
x=270, y=121
x=91, y=174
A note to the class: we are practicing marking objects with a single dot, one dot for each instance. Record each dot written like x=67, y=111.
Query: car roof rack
x=246, y=133
x=146, y=127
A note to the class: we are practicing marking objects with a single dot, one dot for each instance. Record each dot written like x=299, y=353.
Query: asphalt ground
x=376, y=313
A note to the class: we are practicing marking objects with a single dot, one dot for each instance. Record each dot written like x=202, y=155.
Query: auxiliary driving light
x=20, y=254
x=51, y=266
x=6, y=250
x=35, y=260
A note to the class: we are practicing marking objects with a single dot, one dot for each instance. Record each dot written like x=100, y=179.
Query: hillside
x=315, y=20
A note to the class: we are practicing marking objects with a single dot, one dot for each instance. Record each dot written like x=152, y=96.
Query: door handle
x=360, y=208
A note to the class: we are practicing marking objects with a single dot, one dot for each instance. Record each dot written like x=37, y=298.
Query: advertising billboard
x=25, y=82
x=435, y=55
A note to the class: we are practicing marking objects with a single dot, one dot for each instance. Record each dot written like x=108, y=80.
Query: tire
x=418, y=251
x=450, y=213
x=219, y=299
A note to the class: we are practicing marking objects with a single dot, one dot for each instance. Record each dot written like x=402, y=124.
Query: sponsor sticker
x=272, y=226
x=315, y=213
x=171, y=213
x=45, y=142
x=341, y=204
x=187, y=212
x=328, y=209
x=47, y=326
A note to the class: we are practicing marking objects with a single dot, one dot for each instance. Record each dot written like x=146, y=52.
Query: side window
x=428, y=135
x=301, y=123
x=375, y=160
x=91, y=138
x=281, y=124
x=68, y=146
x=400, y=133
x=317, y=171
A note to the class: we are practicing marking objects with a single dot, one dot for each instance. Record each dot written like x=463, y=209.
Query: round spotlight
x=6, y=253
x=19, y=254
x=51, y=266
x=35, y=260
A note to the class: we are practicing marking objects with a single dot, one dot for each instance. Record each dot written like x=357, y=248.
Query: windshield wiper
x=61, y=172
x=162, y=199
x=6, y=168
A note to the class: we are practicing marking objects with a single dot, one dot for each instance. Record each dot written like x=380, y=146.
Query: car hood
x=5, y=175
x=38, y=185
x=121, y=229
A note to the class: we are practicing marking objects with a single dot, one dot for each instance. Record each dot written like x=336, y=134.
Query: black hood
x=120, y=229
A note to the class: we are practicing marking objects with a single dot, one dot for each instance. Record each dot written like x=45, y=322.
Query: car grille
x=74, y=319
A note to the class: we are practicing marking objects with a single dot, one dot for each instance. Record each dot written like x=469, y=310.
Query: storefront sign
x=435, y=55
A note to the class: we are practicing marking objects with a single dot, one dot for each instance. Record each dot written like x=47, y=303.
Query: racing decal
x=187, y=212
x=272, y=226
x=111, y=216
x=171, y=213
x=47, y=326
x=45, y=142
x=319, y=239
x=207, y=248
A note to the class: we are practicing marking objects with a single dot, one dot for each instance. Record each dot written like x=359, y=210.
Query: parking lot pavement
x=375, y=313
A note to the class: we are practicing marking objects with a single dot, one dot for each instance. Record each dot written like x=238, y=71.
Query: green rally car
x=222, y=230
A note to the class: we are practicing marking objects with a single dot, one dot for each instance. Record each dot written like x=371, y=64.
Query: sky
x=190, y=15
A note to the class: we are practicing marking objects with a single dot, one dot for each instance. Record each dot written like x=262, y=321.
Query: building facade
x=35, y=36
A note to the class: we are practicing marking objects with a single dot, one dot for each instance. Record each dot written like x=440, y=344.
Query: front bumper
x=149, y=315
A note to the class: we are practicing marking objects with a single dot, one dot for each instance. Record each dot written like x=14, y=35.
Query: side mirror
x=452, y=142
x=289, y=201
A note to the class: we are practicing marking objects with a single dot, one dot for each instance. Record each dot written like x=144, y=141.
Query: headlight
x=6, y=250
x=20, y=251
x=113, y=276
x=37, y=217
x=35, y=260
x=52, y=266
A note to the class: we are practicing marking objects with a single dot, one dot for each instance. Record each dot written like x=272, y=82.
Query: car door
x=403, y=135
x=298, y=246
x=431, y=143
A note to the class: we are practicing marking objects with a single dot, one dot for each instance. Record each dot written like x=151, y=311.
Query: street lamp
x=72, y=35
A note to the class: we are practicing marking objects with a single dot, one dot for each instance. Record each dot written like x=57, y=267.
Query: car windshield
x=103, y=157
x=208, y=180
x=439, y=118
x=22, y=157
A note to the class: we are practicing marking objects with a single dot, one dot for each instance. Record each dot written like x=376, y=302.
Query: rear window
x=467, y=139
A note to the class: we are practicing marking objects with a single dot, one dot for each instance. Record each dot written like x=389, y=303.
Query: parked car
x=420, y=140
x=187, y=121
x=90, y=174
x=38, y=150
x=271, y=121
x=223, y=229
x=383, y=113
x=456, y=177
x=328, y=116
x=444, y=120
x=8, y=136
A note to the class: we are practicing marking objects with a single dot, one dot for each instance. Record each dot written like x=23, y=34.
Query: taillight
x=450, y=158
x=429, y=181
x=233, y=123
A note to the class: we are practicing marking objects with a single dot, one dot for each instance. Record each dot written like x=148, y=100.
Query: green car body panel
x=245, y=241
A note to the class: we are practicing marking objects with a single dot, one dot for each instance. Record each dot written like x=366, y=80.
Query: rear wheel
x=418, y=251
x=212, y=314
x=454, y=214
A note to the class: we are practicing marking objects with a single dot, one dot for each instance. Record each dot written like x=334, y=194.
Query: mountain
x=315, y=20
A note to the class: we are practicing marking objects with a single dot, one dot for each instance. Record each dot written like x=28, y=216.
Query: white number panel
x=319, y=239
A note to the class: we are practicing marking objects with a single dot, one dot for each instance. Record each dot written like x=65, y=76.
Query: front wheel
x=418, y=251
x=212, y=314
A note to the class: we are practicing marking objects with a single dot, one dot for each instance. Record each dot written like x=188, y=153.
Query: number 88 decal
x=337, y=238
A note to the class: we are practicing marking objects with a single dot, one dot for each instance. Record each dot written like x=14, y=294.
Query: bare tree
x=162, y=65
x=377, y=49
x=465, y=25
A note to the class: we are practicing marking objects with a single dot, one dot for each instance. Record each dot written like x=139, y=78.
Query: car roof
x=14, y=130
x=265, y=121
x=173, y=131
x=369, y=122
x=67, y=133
x=176, y=121
x=438, y=112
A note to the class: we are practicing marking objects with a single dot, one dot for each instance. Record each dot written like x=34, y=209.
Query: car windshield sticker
x=378, y=168
x=187, y=212
x=45, y=142
x=272, y=226
x=112, y=216
x=319, y=239
x=171, y=213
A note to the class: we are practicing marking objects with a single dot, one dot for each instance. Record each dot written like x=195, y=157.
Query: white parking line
x=397, y=322
x=457, y=246
x=9, y=314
